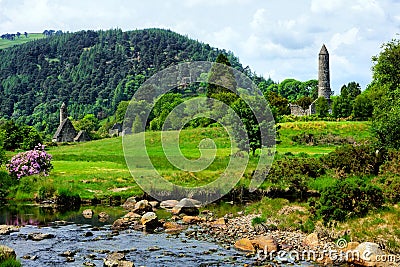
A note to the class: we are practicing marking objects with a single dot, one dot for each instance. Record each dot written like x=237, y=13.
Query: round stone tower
x=324, y=88
x=63, y=112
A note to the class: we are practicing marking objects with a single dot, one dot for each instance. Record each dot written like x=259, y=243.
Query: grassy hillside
x=21, y=40
x=98, y=168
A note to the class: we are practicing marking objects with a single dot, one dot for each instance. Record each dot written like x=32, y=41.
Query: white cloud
x=258, y=19
x=348, y=37
x=326, y=6
x=281, y=38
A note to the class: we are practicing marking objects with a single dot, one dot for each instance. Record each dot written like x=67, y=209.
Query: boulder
x=132, y=216
x=68, y=253
x=142, y=207
x=130, y=203
x=154, y=204
x=370, y=255
x=192, y=219
x=266, y=243
x=88, y=213
x=168, y=204
x=6, y=253
x=121, y=224
x=186, y=206
x=173, y=227
x=311, y=240
x=103, y=216
x=117, y=259
x=7, y=229
x=221, y=222
x=244, y=244
x=149, y=220
x=39, y=236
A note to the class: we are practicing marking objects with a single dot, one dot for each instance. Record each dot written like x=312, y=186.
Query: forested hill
x=92, y=71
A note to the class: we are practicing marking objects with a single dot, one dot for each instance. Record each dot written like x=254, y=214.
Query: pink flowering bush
x=36, y=161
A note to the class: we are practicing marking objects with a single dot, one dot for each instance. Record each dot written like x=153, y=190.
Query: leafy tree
x=31, y=138
x=279, y=104
x=2, y=151
x=363, y=107
x=121, y=110
x=252, y=125
x=89, y=123
x=13, y=135
x=264, y=85
x=386, y=78
x=342, y=105
x=322, y=107
x=304, y=102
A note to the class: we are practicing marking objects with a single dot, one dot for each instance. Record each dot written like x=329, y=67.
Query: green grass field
x=21, y=40
x=98, y=168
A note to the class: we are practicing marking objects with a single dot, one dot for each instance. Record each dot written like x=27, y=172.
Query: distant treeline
x=92, y=71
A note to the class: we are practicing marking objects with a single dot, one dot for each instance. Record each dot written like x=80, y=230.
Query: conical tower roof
x=323, y=51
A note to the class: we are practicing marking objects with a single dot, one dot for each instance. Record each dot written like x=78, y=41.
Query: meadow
x=97, y=169
x=4, y=43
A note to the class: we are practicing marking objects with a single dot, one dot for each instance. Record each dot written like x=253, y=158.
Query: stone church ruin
x=66, y=132
x=324, y=88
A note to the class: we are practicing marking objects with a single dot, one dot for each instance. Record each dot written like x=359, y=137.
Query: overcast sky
x=276, y=38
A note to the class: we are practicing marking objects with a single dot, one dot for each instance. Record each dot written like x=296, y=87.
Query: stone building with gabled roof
x=66, y=132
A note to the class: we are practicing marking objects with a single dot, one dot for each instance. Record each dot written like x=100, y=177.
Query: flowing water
x=91, y=240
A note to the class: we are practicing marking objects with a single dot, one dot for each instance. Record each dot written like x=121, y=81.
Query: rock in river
x=150, y=221
x=7, y=229
x=142, y=207
x=39, y=236
x=129, y=203
x=168, y=204
x=88, y=213
x=117, y=259
x=186, y=206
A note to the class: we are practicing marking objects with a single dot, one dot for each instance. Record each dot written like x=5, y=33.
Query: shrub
x=357, y=159
x=392, y=164
x=5, y=183
x=308, y=226
x=31, y=162
x=258, y=220
x=292, y=174
x=352, y=197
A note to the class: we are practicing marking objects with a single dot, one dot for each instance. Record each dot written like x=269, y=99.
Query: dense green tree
x=304, y=102
x=363, y=107
x=279, y=105
x=386, y=79
x=88, y=123
x=252, y=125
x=342, y=106
x=31, y=138
x=121, y=110
x=322, y=107
x=264, y=85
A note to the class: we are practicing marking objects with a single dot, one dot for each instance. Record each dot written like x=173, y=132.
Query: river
x=90, y=240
